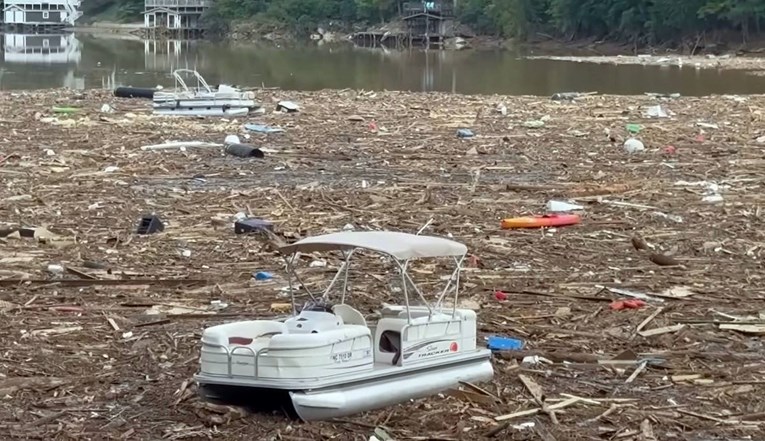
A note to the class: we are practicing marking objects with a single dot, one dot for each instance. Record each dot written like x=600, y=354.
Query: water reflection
x=47, y=59
x=42, y=48
x=168, y=55
x=105, y=61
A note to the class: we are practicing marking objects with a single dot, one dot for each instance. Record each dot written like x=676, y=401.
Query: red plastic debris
x=670, y=150
x=500, y=295
x=700, y=138
x=618, y=305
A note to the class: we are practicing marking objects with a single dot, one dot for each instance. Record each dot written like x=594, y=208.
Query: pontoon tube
x=355, y=398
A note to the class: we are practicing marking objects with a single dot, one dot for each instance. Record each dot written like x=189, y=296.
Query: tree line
x=636, y=21
x=639, y=21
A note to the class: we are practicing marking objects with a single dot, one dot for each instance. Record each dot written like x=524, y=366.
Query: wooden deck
x=150, y=4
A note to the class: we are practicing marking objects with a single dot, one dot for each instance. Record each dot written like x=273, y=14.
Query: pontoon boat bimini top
x=402, y=246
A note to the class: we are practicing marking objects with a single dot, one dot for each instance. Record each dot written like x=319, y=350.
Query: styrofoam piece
x=562, y=207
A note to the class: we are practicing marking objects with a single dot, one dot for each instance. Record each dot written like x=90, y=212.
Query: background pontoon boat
x=330, y=361
x=202, y=100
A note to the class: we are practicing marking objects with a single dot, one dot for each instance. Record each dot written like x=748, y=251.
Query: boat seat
x=318, y=339
x=241, y=333
x=389, y=310
x=349, y=315
x=419, y=316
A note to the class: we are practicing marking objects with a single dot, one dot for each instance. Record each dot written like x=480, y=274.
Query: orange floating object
x=546, y=220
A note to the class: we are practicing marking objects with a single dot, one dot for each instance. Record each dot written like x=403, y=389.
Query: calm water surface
x=81, y=61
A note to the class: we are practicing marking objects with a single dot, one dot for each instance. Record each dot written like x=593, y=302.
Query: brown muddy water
x=80, y=61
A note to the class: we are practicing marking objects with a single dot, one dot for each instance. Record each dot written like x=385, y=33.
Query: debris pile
x=642, y=320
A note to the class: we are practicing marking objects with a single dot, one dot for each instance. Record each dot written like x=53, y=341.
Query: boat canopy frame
x=201, y=82
x=400, y=247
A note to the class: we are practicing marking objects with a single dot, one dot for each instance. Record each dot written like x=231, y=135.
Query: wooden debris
x=681, y=378
x=100, y=367
x=536, y=391
x=534, y=411
x=660, y=331
x=640, y=368
x=639, y=243
x=646, y=431
x=648, y=319
x=663, y=260
x=744, y=328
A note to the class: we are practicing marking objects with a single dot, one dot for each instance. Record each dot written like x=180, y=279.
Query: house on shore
x=41, y=13
x=429, y=22
x=425, y=23
x=174, y=17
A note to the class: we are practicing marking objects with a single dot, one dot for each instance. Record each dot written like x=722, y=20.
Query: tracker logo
x=453, y=347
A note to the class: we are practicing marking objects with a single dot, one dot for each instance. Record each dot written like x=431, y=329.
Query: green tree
x=375, y=10
x=130, y=9
x=634, y=21
x=739, y=13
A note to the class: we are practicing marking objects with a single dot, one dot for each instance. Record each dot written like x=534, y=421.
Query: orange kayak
x=546, y=220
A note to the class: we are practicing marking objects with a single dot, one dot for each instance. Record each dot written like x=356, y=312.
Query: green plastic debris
x=634, y=128
x=66, y=110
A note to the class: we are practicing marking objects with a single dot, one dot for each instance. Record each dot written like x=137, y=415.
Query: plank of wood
x=649, y=319
x=746, y=329
x=641, y=367
x=664, y=330
x=536, y=391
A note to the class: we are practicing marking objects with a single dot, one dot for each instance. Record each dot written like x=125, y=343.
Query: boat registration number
x=343, y=357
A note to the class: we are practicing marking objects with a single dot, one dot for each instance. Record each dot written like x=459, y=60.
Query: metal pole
x=347, y=270
x=289, y=284
x=406, y=295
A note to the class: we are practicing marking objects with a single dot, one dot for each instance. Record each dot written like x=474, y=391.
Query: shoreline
x=583, y=51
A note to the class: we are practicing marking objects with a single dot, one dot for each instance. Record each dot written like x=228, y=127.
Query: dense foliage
x=127, y=10
x=645, y=21
x=638, y=21
x=304, y=15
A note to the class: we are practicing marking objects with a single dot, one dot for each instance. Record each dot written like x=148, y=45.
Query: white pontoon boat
x=330, y=361
x=202, y=100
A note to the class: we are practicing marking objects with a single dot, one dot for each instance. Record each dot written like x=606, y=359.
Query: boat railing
x=230, y=353
x=255, y=356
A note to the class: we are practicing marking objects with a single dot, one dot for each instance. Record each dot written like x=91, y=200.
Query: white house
x=174, y=14
x=42, y=48
x=42, y=12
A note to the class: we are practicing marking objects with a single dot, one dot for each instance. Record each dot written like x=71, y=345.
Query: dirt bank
x=109, y=28
x=91, y=354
